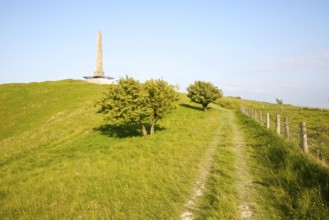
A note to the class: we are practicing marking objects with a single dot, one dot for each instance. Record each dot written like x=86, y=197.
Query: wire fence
x=312, y=139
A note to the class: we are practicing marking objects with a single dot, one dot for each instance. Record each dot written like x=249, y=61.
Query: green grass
x=57, y=162
x=292, y=182
x=43, y=114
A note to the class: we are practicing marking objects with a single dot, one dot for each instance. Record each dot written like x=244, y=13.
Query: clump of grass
x=295, y=184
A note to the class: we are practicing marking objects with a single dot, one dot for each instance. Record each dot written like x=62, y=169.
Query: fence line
x=278, y=124
x=268, y=120
x=303, y=131
x=304, y=137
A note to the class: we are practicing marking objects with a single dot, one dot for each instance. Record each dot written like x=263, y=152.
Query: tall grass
x=294, y=183
x=57, y=162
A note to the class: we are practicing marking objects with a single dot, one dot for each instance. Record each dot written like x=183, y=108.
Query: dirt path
x=199, y=185
x=245, y=189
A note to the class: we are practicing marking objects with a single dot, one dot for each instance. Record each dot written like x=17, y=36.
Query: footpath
x=228, y=158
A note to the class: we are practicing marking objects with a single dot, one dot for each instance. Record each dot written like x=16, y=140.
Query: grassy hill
x=57, y=162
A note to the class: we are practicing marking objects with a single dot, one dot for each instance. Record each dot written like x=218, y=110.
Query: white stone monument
x=99, y=76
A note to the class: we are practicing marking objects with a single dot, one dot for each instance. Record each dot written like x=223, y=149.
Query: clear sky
x=255, y=49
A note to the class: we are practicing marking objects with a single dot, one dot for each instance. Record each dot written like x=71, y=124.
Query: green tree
x=203, y=93
x=162, y=100
x=130, y=102
x=125, y=103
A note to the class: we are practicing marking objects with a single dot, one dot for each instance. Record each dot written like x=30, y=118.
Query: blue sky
x=254, y=49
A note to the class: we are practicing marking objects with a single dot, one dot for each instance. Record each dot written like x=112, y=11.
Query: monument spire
x=99, y=72
x=99, y=76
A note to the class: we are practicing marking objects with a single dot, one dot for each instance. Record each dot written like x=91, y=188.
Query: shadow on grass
x=192, y=107
x=195, y=107
x=132, y=130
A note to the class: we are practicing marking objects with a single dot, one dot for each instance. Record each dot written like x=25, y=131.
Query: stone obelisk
x=99, y=76
x=99, y=72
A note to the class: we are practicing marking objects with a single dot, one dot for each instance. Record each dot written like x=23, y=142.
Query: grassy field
x=57, y=161
x=317, y=122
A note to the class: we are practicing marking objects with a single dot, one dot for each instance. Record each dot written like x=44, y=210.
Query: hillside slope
x=41, y=114
x=57, y=161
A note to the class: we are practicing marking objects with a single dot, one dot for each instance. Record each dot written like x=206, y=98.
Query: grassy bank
x=317, y=122
x=292, y=182
x=57, y=161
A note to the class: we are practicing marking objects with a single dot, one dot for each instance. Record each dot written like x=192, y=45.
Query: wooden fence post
x=268, y=120
x=286, y=127
x=260, y=118
x=278, y=124
x=304, y=137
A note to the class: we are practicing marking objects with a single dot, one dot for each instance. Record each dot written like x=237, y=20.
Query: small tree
x=280, y=102
x=162, y=99
x=203, y=93
x=130, y=102
x=125, y=103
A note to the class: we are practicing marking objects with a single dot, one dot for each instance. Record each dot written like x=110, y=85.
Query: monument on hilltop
x=99, y=72
x=99, y=76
